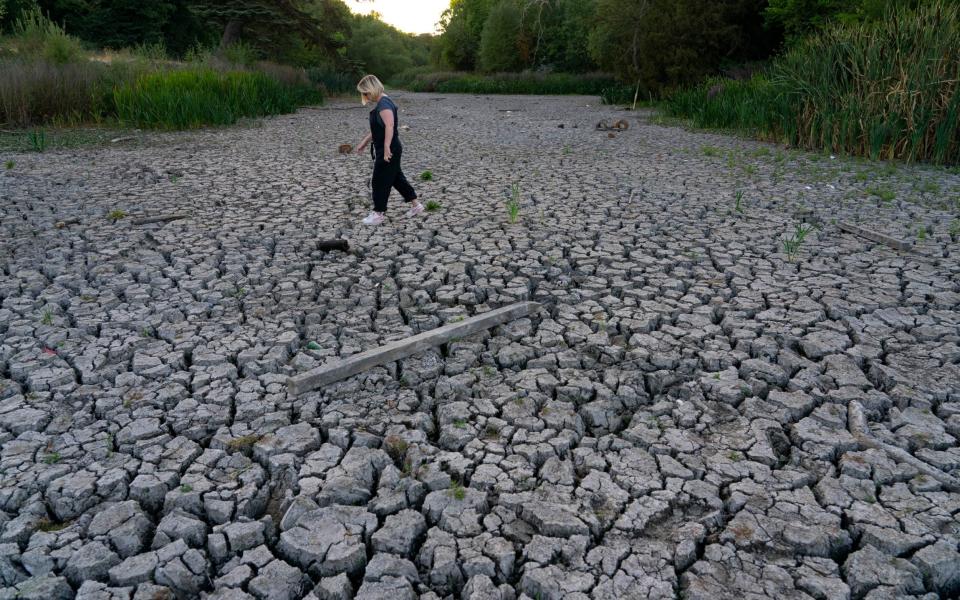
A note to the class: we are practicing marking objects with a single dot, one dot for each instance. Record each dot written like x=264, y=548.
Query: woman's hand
x=361, y=147
x=387, y=155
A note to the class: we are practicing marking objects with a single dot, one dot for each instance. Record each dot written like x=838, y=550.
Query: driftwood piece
x=345, y=149
x=857, y=423
x=66, y=222
x=159, y=218
x=329, y=245
x=358, y=363
x=873, y=236
x=621, y=125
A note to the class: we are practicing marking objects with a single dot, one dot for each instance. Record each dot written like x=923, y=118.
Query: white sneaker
x=374, y=218
x=415, y=209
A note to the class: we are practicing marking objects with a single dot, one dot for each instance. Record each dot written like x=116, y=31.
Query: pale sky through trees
x=413, y=16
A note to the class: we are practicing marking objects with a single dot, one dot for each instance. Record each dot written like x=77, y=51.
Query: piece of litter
x=313, y=346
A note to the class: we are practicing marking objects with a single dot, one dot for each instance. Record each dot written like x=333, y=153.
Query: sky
x=412, y=16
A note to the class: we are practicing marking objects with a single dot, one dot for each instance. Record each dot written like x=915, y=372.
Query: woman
x=386, y=151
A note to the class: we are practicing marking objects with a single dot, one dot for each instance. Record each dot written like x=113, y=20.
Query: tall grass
x=889, y=89
x=33, y=92
x=196, y=97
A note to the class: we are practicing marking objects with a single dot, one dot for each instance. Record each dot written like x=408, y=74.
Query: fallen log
x=159, y=219
x=857, y=424
x=874, y=236
x=328, y=245
x=358, y=363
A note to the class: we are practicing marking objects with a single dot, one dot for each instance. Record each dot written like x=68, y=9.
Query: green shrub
x=196, y=97
x=333, y=81
x=886, y=89
x=514, y=83
x=240, y=53
x=36, y=36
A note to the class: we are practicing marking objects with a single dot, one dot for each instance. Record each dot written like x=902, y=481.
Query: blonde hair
x=370, y=87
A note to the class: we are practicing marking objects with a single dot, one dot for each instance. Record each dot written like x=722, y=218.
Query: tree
x=270, y=24
x=801, y=17
x=503, y=45
x=462, y=26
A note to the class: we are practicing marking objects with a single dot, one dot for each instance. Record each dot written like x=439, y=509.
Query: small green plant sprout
x=457, y=492
x=174, y=178
x=739, y=204
x=566, y=149
x=513, y=205
x=432, y=206
x=791, y=245
x=238, y=292
x=47, y=318
x=52, y=458
x=396, y=447
x=145, y=332
x=954, y=230
x=710, y=151
x=186, y=488
x=314, y=346
x=9, y=165
x=116, y=214
x=885, y=194
x=38, y=140
x=921, y=233
x=426, y=176
x=460, y=423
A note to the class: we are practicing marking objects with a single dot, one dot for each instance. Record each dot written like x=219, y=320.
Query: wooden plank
x=358, y=363
x=874, y=236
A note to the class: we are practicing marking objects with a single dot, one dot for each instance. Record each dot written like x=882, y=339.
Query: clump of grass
x=38, y=140
x=197, y=97
x=426, y=176
x=47, y=525
x=711, y=151
x=791, y=245
x=738, y=206
x=921, y=233
x=954, y=230
x=885, y=194
x=9, y=165
x=432, y=206
x=885, y=89
x=52, y=458
x=513, y=205
x=116, y=214
x=460, y=423
x=186, y=488
x=244, y=443
x=47, y=318
x=396, y=447
x=457, y=491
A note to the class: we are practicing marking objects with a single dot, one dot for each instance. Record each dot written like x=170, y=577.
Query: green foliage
x=9, y=165
x=885, y=89
x=503, y=46
x=36, y=36
x=513, y=205
x=117, y=214
x=197, y=97
x=426, y=176
x=462, y=26
x=801, y=17
x=592, y=84
x=433, y=206
x=240, y=53
x=376, y=47
x=663, y=44
x=38, y=140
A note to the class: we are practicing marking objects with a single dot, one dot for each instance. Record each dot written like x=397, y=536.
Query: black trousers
x=387, y=175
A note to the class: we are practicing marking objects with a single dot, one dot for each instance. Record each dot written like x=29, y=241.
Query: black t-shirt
x=379, y=130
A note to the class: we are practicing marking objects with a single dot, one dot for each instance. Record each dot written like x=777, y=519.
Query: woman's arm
x=363, y=143
x=387, y=116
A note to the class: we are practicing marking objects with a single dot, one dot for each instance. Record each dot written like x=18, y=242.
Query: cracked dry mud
x=673, y=424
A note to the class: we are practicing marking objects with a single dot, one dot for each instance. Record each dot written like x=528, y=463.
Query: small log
x=857, y=424
x=873, y=236
x=394, y=351
x=159, y=218
x=66, y=222
x=329, y=245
